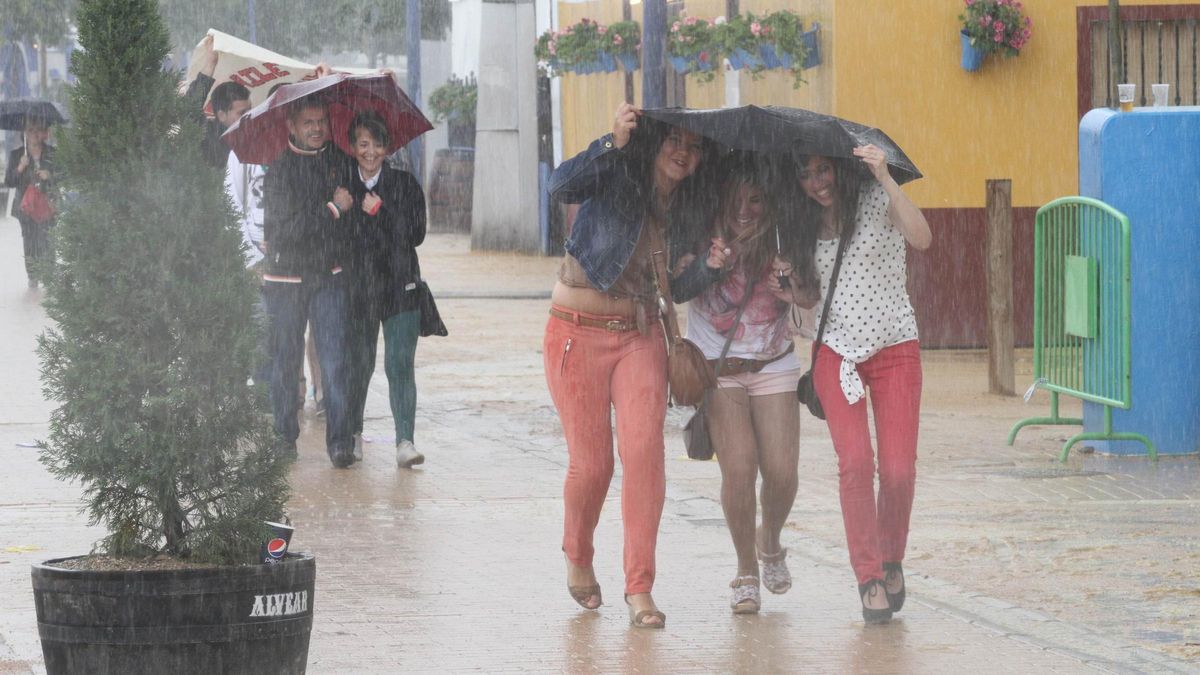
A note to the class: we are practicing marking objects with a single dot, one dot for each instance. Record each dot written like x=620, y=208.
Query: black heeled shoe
x=869, y=589
x=895, y=600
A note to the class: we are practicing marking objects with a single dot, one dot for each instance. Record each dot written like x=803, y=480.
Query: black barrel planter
x=244, y=619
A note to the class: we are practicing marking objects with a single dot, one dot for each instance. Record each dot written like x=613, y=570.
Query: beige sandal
x=581, y=594
x=638, y=619
x=746, y=598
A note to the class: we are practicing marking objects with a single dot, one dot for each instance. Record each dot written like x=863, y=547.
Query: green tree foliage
x=43, y=19
x=153, y=307
x=303, y=28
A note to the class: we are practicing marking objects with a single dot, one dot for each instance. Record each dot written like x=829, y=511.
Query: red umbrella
x=261, y=134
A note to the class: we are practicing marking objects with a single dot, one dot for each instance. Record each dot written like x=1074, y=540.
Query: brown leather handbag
x=688, y=372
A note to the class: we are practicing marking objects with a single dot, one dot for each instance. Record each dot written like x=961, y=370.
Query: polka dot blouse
x=870, y=309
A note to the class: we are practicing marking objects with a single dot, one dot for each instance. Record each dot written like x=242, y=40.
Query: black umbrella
x=14, y=113
x=776, y=130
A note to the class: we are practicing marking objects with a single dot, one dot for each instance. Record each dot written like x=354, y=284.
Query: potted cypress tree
x=154, y=337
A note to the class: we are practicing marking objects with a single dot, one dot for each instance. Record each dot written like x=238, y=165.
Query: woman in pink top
x=753, y=414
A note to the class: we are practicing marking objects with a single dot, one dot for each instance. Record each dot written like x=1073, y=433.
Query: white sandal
x=746, y=599
x=775, y=574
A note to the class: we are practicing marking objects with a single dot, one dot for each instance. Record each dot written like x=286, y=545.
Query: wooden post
x=1001, y=375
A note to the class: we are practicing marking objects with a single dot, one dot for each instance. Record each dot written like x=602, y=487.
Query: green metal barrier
x=1081, y=314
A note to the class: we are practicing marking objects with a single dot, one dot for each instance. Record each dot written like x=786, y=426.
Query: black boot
x=895, y=600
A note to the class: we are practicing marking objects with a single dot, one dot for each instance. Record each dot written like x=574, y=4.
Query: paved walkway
x=1016, y=564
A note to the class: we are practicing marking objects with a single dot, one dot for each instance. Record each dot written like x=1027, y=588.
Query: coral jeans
x=590, y=372
x=876, y=528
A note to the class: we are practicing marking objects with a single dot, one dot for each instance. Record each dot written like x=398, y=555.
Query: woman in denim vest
x=640, y=191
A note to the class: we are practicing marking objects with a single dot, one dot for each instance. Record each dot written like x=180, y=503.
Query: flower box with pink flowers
x=589, y=47
x=991, y=26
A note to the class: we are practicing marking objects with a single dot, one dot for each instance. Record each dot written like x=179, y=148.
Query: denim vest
x=610, y=217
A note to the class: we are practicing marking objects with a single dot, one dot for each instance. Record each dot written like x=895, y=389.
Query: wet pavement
x=1016, y=563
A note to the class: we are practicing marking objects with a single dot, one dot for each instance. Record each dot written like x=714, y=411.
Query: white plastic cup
x=1125, y=94
x=1161, y=93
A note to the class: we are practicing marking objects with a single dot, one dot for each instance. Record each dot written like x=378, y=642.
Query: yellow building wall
x=894, y=64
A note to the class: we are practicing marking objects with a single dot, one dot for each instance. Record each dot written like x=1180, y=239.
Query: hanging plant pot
x=748, y=60
x=680, y=64
x=772, y=57
x=972, y=57
x=606, y=63
x=628, y=61
x=812, y=46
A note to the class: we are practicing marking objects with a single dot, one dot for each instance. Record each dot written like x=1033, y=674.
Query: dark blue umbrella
x=788, y=131
x=14, y=113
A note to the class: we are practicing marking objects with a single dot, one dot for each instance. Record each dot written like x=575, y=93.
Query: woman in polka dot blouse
x=753, y=415
x=870, y=342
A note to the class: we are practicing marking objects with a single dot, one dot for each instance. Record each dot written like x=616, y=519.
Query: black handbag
x=695, y=432
x=431, y=320
x=806, y=391
x=695, y=435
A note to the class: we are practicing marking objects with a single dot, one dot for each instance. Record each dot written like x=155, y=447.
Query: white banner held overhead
x=251, y=66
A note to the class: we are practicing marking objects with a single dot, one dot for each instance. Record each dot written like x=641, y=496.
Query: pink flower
x=601, y=30
x=690, y=21
x=998, y=37
x=675, y=27
x=998, y=25
x=617, y=39
x=986, y=20
x=756, y=29
x=552, y=48
x=970, y=2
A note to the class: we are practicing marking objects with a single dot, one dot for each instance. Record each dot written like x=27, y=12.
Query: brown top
x=637, y=279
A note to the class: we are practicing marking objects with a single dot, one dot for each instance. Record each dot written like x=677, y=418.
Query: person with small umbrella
x=864, y=225
x=30, y=172
x=603, y=347
x=742, y=322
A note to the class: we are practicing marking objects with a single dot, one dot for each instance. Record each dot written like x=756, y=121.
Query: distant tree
x=153, y=314
x=47, y=20
x=303, y=28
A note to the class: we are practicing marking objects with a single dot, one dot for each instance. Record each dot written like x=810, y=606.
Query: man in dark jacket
x=305, y=202
x=230, y=101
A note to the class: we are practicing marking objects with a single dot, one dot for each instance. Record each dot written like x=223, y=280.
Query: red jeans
x=876, y=529
x=591, y=371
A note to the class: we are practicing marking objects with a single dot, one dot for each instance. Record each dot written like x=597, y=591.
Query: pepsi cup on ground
x=275, y=547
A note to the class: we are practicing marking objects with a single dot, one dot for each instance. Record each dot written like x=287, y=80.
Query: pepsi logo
x=277, y=547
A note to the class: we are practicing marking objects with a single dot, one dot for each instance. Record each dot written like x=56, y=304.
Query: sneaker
x=286, y=449
x=341, y=458
x=358, y=447
x=407, y=455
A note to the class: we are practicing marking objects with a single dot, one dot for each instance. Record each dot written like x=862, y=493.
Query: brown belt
x=736, y=366
x=611, y=325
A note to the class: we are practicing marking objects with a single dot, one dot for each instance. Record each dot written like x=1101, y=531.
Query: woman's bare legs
x=732, y=431
x=777, y=432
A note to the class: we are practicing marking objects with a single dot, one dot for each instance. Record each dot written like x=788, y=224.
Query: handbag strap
x=843, y=242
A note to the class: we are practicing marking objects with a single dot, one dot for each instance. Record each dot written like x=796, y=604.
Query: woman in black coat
x=388, y=225
x=33, y=164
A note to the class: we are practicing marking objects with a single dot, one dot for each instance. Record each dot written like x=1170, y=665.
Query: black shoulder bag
x=695, y=432
x=805, y=391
